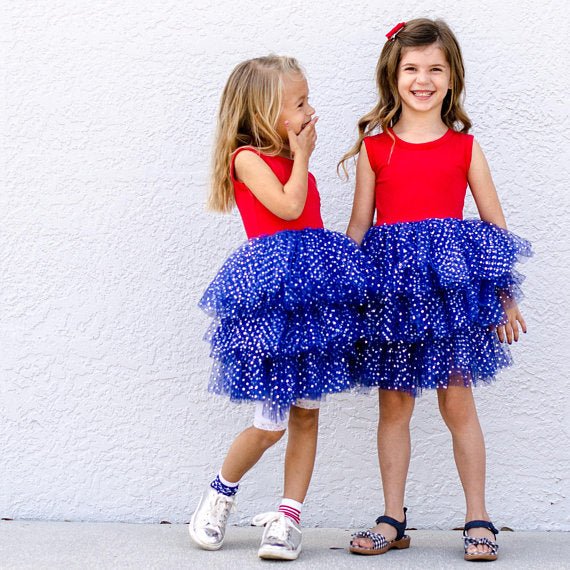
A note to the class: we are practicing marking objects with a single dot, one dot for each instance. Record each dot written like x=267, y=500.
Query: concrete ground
x=62, y=545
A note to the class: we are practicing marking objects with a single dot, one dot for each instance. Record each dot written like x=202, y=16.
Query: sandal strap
x=378, y=540
x=472, y=541
x=399, y=526
x=480, y=524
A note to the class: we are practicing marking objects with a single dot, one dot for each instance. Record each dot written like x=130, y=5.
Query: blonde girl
x=284, y=305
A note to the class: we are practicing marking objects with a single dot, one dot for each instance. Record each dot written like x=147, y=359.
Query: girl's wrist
x=302, y=156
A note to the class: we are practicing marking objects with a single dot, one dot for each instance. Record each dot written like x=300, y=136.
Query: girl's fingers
x=310, y=128
x=501, y=333
x=312, y=122
x=307, y=138
x=522, y=322
x=515, y=327
x=509, y=331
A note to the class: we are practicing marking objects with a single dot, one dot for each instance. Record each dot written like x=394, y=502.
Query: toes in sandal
x=379, y=543
x=468, y=541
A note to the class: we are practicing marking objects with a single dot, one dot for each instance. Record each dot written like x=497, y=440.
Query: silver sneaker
x=281, y=538
x=208, y=524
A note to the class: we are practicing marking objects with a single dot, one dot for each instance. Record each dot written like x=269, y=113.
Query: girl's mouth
x=422, y=94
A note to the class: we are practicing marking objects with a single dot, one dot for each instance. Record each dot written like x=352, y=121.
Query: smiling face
x=424, y=78
x=295, y=107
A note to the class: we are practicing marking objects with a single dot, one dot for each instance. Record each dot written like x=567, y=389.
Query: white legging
x=261, y=421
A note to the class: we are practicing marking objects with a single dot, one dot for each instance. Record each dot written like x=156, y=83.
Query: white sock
x=226, y=482
x=292, y=509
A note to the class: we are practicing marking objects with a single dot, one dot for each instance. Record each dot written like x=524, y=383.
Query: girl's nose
x=311, y=110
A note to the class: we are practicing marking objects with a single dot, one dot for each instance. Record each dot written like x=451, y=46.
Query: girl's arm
x=483, y=189
x=284, y=200
x=363, y=205
x=489, y=207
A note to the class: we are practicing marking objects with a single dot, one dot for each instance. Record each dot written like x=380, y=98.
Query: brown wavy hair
x=417, y=33
x=249, y=110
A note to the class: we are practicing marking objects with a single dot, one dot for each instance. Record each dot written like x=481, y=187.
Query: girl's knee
x=303, y=418
x=266, y=437
x=457, y=406
x=396, y=406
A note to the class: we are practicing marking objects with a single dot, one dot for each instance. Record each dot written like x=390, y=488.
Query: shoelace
x=277, y=527
x=220, y=508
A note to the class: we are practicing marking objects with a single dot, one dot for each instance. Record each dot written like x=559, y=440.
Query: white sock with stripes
x=292, y=509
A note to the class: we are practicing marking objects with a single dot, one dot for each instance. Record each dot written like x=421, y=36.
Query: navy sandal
x=379, y=543
x=468, y=541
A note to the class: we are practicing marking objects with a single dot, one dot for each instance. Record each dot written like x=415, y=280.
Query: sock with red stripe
x=292, y=509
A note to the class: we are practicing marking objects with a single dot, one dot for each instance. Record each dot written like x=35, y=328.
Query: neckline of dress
x=434, y=142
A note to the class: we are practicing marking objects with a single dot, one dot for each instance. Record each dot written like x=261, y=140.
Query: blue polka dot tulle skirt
x=430, y=324
x=287, y=315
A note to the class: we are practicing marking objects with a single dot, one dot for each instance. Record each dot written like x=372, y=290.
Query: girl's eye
x=409, y=68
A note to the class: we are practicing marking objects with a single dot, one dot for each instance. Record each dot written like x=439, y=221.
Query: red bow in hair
x=391, y=35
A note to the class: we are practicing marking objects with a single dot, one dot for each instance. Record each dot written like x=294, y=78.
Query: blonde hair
x=417, y=33
x=249, y=109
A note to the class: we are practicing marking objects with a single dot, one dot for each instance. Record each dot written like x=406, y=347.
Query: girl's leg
x=457, y=407
x=208, y=524
x=248, y=447
x=282, y=537
x=301, y=452
x=394, y=449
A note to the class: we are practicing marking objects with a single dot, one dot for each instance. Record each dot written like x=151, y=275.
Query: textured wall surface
x=107, y=119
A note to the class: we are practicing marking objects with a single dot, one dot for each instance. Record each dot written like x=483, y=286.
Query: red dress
x=257, y=219
x=430, y=326
x=419, y=181
x=286, y=305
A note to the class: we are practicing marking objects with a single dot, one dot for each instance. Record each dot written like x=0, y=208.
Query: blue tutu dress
x=441, y=278
x=286, y=306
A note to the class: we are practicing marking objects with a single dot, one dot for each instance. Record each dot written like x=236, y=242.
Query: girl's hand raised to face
x=304, y=142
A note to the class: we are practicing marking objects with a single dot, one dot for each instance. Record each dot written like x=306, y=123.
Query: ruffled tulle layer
x=465, y=359
x=287, y=313
x=440, y=284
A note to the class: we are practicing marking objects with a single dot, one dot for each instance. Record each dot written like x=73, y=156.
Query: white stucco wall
x=107, y=118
